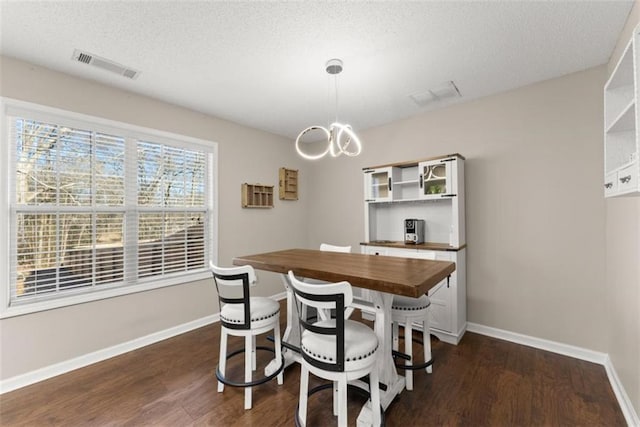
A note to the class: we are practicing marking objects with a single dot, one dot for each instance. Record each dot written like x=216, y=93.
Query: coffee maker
x=413, y=231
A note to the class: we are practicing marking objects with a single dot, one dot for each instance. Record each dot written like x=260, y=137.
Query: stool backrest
x=332, y=248
x=329, y=296
x=232, y=284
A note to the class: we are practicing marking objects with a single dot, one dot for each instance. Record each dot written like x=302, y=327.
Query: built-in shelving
x=621, y=118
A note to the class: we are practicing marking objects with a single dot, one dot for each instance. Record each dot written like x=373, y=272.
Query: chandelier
x=340, y=138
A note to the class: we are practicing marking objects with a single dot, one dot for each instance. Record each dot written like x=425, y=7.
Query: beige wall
x=623, y=268
x=535, y=208
x=246, y=155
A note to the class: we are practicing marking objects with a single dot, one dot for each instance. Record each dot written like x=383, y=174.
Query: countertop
x=426, y=245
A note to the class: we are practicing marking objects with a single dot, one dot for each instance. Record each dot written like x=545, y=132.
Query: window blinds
x=94, y=209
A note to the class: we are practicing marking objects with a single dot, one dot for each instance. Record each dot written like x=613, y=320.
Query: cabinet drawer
x=373, y=250
x=628, y=178
x=414, y=253
x=445, y=256
x=611, y=183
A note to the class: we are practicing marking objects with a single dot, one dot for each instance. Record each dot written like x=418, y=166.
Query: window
x=98, y=208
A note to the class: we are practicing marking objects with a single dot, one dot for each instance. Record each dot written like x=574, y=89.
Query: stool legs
x=342, y=402
x=304, y=387
x=426, y=339
x=249, y=354
x=250, y=362
x=396, y=335
x=408, y=349
x=222, y=359
x=278, y=345
x=408, y=346
x=253, y=353
x=374, y=391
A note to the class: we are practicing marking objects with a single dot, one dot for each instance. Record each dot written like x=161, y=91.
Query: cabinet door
x=628, y=179
x=611, y=184
x=378, y=185
x=440, y=312
x=437, y=178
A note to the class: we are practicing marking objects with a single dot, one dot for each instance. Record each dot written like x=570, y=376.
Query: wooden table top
x=400, y=276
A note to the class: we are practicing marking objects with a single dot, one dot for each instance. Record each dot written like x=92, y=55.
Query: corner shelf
x=257, y=196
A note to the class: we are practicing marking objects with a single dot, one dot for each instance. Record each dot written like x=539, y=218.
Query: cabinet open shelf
x=625, y=121
x=621, y=115
x=257, y=196
x=288, y=188
x=410, y=182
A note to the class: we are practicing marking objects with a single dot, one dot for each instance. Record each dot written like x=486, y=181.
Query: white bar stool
x=338, y=349
x=245, y=316
x=407, y=310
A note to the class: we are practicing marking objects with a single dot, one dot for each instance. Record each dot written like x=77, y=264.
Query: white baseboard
x=542, y=344
x=603, y=359
x=623, y=399
x=47, y=372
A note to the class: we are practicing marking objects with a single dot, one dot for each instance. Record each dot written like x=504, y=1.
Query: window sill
x=29, y=308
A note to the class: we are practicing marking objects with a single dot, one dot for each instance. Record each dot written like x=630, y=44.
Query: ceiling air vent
x=439, y=93
x=105, y=64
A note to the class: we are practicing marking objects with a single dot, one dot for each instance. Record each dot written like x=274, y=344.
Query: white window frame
x=10, y=108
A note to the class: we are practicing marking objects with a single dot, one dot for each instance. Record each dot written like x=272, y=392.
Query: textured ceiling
x=262, y=63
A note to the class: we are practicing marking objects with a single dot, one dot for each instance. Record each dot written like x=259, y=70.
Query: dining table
x=378, y=278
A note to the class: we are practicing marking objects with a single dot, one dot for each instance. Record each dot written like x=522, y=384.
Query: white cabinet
x=378, y=187
x=399, y=191
x=621, y=118
x=437, y=178
x=431, y=190
x=429, y=179
x=448, y=298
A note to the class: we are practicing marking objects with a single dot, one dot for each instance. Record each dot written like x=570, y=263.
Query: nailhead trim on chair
x=409, y=308
x=253, y=320
x=323, y=357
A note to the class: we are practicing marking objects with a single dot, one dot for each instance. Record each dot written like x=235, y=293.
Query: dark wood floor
x=482, y=381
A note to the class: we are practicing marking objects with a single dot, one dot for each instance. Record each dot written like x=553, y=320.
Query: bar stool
x=408, y=311
x=338, y=349
x=245, y=316
x=325, y=247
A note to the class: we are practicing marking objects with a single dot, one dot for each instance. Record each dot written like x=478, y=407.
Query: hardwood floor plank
x=481, y=382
